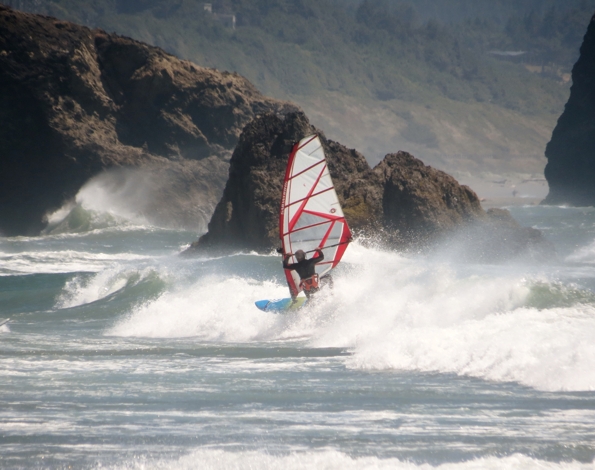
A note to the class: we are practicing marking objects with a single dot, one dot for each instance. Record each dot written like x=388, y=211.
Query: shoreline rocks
x=75, y=102
x=401, y=202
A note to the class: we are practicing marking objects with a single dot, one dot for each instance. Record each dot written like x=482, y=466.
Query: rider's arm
x=286, y=264
x=320, y=256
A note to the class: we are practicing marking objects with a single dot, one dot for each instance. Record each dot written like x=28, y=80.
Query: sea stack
x=570, y=170
x=247, y=216
x=400, y=203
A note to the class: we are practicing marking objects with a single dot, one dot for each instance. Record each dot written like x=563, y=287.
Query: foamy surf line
x=549, y=350
x=329, y=460
x=67, y=261
x=395, y=314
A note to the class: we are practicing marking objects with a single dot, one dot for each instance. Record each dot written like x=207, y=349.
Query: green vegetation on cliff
x=379, y=49
x=391, y=57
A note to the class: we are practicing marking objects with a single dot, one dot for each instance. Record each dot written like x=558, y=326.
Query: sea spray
x=212, y=309
x=131, y=197
x=396, y=313
x=430, y=317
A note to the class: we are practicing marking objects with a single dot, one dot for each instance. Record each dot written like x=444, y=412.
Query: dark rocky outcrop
x=76, y=101
x=570, y=170
x=248, y=214
x=420, y=202
x=401, y=202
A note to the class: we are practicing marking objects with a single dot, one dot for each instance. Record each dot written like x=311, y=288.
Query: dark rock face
x=570, y=170
x=401, y=201
x=75, y=101
x=419, y=201
x=248, y=214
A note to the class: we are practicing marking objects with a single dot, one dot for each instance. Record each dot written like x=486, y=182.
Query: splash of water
x=116, y=197
x=212, y=309
x=130, y=197
x=399, y=313
x=84, y=289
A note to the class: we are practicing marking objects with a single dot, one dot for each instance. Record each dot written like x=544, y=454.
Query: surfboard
x=4, y=322
x=281, y=305
x=311, y=215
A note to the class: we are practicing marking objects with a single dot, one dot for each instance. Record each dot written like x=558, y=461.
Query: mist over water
x=125, y=197
x=122, y=354
x=115, y=198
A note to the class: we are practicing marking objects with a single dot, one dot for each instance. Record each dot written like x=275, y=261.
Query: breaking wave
x=126, y=197
x=84, y=288
x=399, y=313
x=327, y=459
x=116, y=198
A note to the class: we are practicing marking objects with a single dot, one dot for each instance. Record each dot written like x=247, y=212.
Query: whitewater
x=122, y=354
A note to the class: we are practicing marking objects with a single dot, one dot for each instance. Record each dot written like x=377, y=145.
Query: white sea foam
x=83, y=290
x=212, y=459
x=549, y=350
x=585, y=254
x=213, y=309
x=430, y=318
x=397, y=313
x=65, y=261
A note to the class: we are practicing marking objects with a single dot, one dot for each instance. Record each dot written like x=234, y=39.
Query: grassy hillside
x=383, y=75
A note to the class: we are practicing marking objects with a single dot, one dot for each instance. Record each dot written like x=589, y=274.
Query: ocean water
x=121, y=354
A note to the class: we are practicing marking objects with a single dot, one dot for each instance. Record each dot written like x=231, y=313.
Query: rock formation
x=76, y=101
x=570, y=170
x=401, y=202
x=419, y=201
x=248, y=214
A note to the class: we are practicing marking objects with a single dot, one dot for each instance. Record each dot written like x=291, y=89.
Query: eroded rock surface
x=248, y=214
x=76, y=101
x=420, y=202
x=401, y=202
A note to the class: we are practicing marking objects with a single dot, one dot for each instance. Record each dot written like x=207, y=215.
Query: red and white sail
x=311, y=215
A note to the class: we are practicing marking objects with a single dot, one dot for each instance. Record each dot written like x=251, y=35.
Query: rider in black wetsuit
x=305, y=269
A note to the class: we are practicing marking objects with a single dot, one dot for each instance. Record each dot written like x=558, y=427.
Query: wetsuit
x=305, y=268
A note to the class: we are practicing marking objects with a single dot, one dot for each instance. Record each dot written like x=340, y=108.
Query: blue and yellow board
x=281, y=305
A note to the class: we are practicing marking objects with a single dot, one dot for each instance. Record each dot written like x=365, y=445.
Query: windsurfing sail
x=311, y=215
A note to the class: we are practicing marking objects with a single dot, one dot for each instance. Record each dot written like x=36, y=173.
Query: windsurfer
x=306, y=270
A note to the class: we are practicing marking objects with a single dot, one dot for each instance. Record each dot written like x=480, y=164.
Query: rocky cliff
x=76, y=101
x=401, y=202
x=420, y=202
x=570, y=170
x=248, y=214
